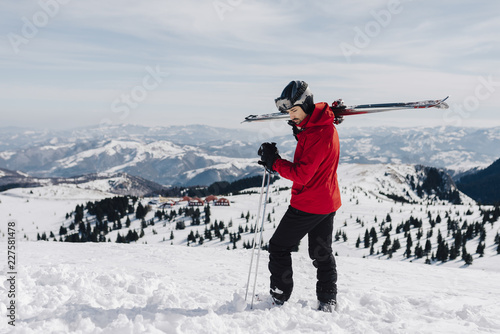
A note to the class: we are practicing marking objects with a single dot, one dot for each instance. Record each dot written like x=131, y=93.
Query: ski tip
x=442, y=104
x=249, y=118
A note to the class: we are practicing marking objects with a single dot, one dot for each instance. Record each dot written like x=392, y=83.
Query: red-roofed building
x=196, y=202
x=222, y=202
x=210, y=198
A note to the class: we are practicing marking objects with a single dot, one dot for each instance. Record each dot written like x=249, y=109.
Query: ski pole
x=255, y=233
x=260, y=238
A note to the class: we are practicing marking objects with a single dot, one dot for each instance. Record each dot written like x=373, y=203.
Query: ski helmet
x=296, y=93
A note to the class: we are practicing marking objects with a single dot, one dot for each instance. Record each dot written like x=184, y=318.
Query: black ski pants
x=294, y=225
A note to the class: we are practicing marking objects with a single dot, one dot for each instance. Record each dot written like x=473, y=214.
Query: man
x=315, y=194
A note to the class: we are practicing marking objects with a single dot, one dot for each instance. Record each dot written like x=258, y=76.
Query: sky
x=67, y=63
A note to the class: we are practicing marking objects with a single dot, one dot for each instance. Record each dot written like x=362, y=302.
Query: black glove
x=268, y=154
x=338, y=105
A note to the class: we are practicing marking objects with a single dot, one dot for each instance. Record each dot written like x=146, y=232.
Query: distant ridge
x=115, y=183
x=483, y=185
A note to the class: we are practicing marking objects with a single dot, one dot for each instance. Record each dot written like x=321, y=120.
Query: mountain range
x=200, y=155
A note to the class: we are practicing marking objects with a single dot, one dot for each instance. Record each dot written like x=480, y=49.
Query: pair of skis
x=340, y=110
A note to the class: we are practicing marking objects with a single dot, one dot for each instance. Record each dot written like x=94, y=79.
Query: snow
x=139, y=151
x=230, y=166
x=104, y=186
x=158, y=285
x=6, y=155
x=48, y=194
x=112, y=288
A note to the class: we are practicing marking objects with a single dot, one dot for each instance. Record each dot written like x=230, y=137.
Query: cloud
x=238, y=56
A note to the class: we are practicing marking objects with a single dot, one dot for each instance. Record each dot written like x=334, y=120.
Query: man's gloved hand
x=268, y=154
x=338, y=104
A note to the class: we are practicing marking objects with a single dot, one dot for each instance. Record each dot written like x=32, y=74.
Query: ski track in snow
x=114, y=288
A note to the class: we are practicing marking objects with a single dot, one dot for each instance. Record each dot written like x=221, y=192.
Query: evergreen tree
x=428, y=247
x=420, y=233
x=480, y=249
x=419, y=252
x=119, y=238
x=367, y=239
x=409, y=241
x=140, y=212
x=385, y=245
x=207, y=214
x=408, y=249
x=453, y=252
x=62, y=230
x=395, y=246
x=72, y=238
x=466, y=256
x=78, y=214
x=468, y=259
x=482, y=234
x=373, y=235
x=458, y=239
x=442, y=252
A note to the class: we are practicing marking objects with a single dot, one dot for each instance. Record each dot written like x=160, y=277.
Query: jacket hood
x=322, y=115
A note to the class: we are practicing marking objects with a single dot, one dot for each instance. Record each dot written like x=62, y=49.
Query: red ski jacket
x=314, y=168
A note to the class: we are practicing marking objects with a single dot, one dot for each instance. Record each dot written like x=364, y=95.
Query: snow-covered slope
x=111, y=288
x=368, y=195
x=162, y=285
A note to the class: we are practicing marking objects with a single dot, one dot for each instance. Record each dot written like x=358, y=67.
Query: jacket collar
x=321, y=115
